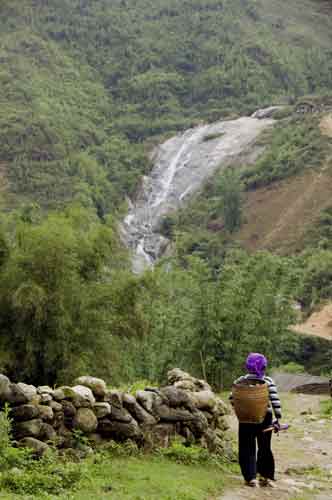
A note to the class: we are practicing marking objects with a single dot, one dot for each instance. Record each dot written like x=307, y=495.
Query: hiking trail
x=303, y=455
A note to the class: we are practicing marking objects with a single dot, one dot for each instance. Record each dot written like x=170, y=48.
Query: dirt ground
x=303, y=455
x=318, y=324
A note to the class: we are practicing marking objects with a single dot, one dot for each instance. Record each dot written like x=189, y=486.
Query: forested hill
x=83, y=83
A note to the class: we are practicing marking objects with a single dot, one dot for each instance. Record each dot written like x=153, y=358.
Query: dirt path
x=318, y=324
x=303, y=456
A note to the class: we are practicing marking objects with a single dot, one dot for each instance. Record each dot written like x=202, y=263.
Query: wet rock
x=97, y=385
x=85, y=420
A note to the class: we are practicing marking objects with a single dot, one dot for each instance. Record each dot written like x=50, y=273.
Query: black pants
x=251, y=464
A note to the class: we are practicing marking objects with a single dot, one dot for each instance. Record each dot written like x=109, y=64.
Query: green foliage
x=326, y=408
x=292, y=147
x=80, y=84
x=291, y=367
x=188, y=455
x=231, y=198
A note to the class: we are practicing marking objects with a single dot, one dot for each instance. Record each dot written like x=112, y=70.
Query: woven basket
x=251, y=401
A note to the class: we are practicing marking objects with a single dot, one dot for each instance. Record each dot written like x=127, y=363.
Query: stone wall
x=185, y=408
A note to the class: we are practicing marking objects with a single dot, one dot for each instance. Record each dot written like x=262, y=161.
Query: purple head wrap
x=256, y=364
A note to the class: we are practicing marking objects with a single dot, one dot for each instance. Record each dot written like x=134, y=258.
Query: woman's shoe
x=264, y=482
x=252, y=483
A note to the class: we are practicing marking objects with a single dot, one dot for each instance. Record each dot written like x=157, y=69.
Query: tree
x=231, y=199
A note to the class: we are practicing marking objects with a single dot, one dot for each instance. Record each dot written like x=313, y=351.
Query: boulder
x=38, y=447
x=199, y=424
x=159, y=436
x=120, y=431
x=55, y=406
x=168, y=414
x=97, y=385
x=85, y=420
x=83, y=397
x=137, y=411
x=120, y=414
x=204, y=400
x=46, y=413
x=45, y=398
x=58, y=394
x=24, y=412
x=44, y=389
x=185, y=381
x=101, y=410
x=150, y=400
x=29, y=391
x=29, y=428
x=69, y=410
x=177, y=397
x=114, y=397
x=15, y=395
x=48, y=433
x=4, y=386
x=220, y=408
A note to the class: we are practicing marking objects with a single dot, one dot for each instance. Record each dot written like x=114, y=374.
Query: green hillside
x=80, y=79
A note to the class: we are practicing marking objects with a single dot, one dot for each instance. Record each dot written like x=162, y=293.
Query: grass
x=141, y=478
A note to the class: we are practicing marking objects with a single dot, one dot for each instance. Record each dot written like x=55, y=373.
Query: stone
x=95, y=439
x=46, y=413
x=177, y=397
x=15, y=395
x=220, y=407
x=204, y=400
x=44, y=389
x=58, y=394
x=24, y=412
x=29, y=428
x=176, y=376
x=120, y=414
x=120, y=431
x=97, y=385
x=114, y=397
x=4, y=386
x=83, y=396
x=29, y=391
x=69, y=409
x=173, y=414
x=159, y=436
x=137, y=411
x=38, y=447
x=198, y=424
x=48, y=433
x=45, y=399
x=55, y=406
x=101, y=410
x=150, y=400
x=85, y=420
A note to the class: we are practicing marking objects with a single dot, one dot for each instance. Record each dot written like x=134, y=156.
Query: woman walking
x=260, y=463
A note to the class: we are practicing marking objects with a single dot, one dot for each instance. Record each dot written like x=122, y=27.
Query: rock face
x=185, y=408
x=181, y=166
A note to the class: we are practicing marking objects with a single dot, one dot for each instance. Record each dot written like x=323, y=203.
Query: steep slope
x=78, y=79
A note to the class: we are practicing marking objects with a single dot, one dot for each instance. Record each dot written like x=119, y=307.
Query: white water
x=181, y=165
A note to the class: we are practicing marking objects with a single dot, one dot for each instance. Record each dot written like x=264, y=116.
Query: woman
x=262, y=463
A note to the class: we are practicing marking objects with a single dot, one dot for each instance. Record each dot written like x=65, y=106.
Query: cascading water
x=181, y=165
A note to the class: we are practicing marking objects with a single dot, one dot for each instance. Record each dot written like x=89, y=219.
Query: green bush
x=188, y=455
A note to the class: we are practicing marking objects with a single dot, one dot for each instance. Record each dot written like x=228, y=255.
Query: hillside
x=83, y=83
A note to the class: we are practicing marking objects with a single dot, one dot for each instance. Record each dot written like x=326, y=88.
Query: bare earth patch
x=326, y=125
x=303, y=456
x=318, y=324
